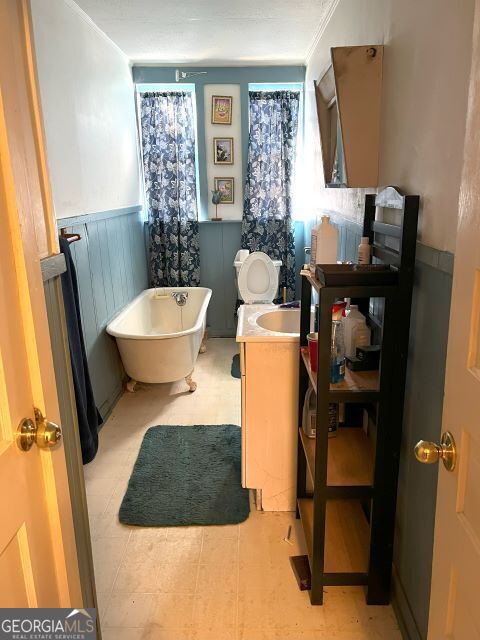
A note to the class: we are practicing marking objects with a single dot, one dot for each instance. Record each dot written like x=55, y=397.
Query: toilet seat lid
x=258, y=278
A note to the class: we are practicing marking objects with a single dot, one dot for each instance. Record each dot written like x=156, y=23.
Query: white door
x=455, y=595
x=38, y=562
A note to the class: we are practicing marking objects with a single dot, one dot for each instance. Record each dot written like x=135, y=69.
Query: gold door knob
x=42, y=432
x=431, y=452
x=48, y=433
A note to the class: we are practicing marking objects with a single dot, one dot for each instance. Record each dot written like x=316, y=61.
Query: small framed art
x=226, y=188
x=222, y=109
x=223, y=150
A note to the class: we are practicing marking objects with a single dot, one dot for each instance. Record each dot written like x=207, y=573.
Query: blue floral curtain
x=168, y=150
x=267, y=212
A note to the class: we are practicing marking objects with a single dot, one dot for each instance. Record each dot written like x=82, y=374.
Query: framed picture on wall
x=222, y=109
x=226, y=188
x=223, y=150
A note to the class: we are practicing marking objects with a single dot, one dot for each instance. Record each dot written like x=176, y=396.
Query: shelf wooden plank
x=350, y=458
x=346, y=535
x=355, y=381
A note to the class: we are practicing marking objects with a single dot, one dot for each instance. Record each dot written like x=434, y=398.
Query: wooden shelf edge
x=362, y=289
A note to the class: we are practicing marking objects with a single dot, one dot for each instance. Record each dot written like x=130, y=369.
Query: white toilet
x=256, y=276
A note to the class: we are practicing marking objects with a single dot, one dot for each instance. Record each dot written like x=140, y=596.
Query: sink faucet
x=180, y=297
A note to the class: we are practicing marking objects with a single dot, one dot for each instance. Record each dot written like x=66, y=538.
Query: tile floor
x=204, y=583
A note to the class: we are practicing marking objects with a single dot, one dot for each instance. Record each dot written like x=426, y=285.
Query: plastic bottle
x=349, y=322
x=364, y=251
x=316, y=318
x=332, y=419
x=313, y=248
x=360, y=335
x=327, y=242
x=309, y=417
x=338, y=309
x=337, y=353
x=310, y=413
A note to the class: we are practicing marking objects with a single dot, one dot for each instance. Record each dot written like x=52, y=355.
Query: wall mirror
x=348, y=96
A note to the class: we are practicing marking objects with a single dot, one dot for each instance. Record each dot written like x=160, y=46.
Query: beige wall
x=88, y=107
x=234, y=130
x=426, y=72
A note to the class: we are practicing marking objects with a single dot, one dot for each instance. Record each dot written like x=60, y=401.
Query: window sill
x=238, y=221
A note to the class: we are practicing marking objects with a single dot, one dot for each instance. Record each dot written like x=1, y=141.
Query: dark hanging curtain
x=168, y=150
x=267, y=213
x=89, y=418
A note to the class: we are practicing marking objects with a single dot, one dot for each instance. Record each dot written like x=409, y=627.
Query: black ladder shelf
x=349, y=517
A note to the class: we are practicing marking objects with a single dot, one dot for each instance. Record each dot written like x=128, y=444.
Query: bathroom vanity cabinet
x=349, y=517
x=269, y=371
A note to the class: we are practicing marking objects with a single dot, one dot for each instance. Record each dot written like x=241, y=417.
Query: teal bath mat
x=235, y=370
x=187, y=476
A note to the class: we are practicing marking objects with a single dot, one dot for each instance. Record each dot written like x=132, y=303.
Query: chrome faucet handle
x=180, y=297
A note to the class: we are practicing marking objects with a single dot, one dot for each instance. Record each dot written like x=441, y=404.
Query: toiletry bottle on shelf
x=333, y=419
x=338, y=309
x=309, y=418
x=337, y=353
x=327, y=242
x=341, y=405
x=349, y=322
x=313, y=248
x=364, y=251
x=361, y=335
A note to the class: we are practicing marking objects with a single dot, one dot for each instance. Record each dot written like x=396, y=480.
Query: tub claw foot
x=191, y=383
x=131, y=384
x=203, y=346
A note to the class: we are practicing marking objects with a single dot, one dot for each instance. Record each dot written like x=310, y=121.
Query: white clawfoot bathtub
x=158, y=339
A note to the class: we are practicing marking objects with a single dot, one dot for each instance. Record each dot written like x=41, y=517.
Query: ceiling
x=211, y=31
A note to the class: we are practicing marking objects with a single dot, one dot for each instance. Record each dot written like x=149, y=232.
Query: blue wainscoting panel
x=212, y=273
x=231, y=244
x=417, y=484
x=111, y=265
x=219, y=242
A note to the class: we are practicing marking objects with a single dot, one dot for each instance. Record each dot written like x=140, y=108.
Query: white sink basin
x=280, y=321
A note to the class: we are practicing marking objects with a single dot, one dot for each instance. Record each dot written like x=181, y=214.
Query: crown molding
x=213, y=63
x=86, y=18
x=320, y=30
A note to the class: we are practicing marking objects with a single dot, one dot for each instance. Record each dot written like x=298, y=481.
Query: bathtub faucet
x=180, y=297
